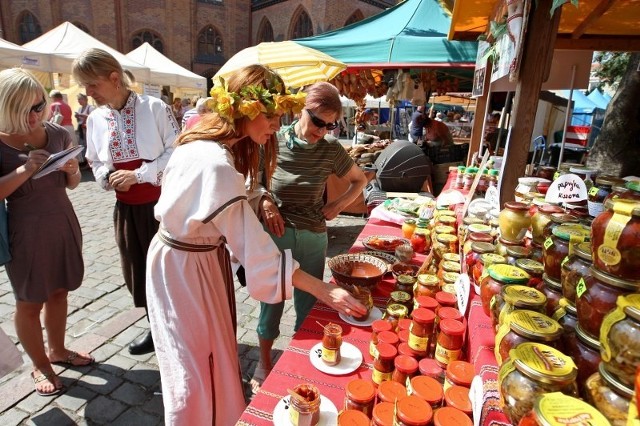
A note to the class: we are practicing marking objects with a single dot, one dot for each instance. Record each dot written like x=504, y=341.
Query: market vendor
x=436, y=133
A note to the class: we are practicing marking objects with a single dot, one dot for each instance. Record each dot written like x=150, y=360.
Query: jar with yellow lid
x=447, y=266
x=609, y=396
x=585, y=352
x=532, y=267
x=443, y=229
x=514, y=220
x=561, y=244
x=574, y=269
x=445, y=243
x=462, y=228
x=401, y=298
x=600, y=191
x=451, y=257
x=446, y=220
x=516, y=252
x=523, y=326
x=426, y=285
x=549, y=409
x=405, y=283
x=394, y=313
x=498, y=276
x=620, y=338
x=534, y=369
x=552, y=289
x=616, y=239
x=515, y=297
x=480, y=268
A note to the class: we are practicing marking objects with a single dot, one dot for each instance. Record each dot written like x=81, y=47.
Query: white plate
x=366, y=241
x=351, y=358
x=328, y=412
x=375, y=314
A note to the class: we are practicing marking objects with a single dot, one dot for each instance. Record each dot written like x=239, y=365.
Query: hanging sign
x=463, y=290
x=492, y=196
x=567, y=188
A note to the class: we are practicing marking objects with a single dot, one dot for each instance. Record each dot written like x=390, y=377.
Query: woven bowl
x=357, y=269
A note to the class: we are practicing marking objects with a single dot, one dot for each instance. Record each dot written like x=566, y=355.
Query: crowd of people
x=230, y=185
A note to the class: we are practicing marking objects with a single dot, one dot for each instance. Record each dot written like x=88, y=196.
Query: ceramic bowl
x=357, y=269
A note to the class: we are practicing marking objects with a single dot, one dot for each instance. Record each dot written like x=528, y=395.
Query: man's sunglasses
x=39, y=107
x=319, y=123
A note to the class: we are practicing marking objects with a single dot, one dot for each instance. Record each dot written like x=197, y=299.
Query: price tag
x=492, y=196
x=476, y=396
x=463, y=288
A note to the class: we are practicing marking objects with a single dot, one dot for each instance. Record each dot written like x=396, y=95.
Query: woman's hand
x=35, y=159
x=341, y=300
x=271, y=216
x=71, y=167
x=121, y=180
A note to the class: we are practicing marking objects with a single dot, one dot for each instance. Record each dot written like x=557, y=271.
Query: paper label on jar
x=329, y=356
x=416, y=343
x=548, y=243
x=608, y=252
x=445, y=356
x=372, y=350
x=593, y=191
x=503, y=330
x=581, y=287
x=379, y=377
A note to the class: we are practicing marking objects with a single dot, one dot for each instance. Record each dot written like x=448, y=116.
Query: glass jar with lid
x=451, y=257
x=473, y=256
x=574, y=268
x=515, y=297
x=498, y=276
x=586, y=174
x=616, y=237
x=353, y=418
x=377, y=327
x=526, y=326
x=492, y=180
x=446, y=300
x=405, y=283
x=421, y=329
x=388, y=337
x=629, y=191
x=532, y=267
x=599, y=297
x=460, y=177
x=620, y=338
x=408, y=226
x=561, y=244
x=426, y=302
x=476, y=237
x=427, y=389
x=449, y=342
x=458, y=397
x=462, y=228
x=420, y=240
x=514, y=220
x=426, y=285
x=306, y=409
x=459, y=373
x=541, y=219
x=360, y=395
x=449, y=279
x=557, y=219
x=445, y=243
x=390, y=391
x=412, y=411
x=516, y=252
x=600, y=191
x=443, y=229
x=567, y=317
x=429, y=367
x=447, y=221
x=401, y=298
x=585, y=352
x=502, y=244
x=405, y=367
x=534, y=369
x=552, y=290
x=469, y=176
x=331, y=342
x=383, y=363
x=394, y=313
x=447, y=266
x=481, y=267
x=536, y=252
x=383, y=414
x=609, y=396
x=556, y=405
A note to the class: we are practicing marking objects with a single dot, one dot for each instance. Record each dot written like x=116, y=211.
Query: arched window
x=210, y=47
x=150, y=37
x=265, y=32
x=355, y=17
x=82, y=26
x=302, y=26
x=28, y=27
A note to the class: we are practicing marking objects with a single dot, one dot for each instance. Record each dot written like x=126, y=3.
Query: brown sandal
x=74, y=358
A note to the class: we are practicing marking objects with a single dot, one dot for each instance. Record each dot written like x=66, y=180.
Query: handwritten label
x=567, y=189
x=476, y=395
x=492, y=196
x=463, y=288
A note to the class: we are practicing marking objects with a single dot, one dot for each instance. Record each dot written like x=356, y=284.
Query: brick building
x=200, y=35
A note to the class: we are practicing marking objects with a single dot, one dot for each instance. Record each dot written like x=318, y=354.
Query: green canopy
x=409, y=35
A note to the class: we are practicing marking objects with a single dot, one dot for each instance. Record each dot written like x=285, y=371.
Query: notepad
x=57, y=160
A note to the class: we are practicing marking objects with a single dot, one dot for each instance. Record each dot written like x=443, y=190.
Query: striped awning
x=296, y=64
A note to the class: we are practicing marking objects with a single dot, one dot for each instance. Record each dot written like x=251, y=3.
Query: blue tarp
x=598, y=98
x=581, y=103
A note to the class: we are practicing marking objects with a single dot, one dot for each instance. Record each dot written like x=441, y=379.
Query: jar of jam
x=447, y=221
x=426, y=302
x=408, y=226
x=383, y=363
x=388, y=337
x=360, y=395
x=405, y=368
x=412, y=411
x=533, y=370
x=445, y=299
x=502, y=244
x=420, y=241
x=574, y=268
x=421, y=329
x=331, y=342
x=445, y=243
x=616, y=237
x=498, y=276
x=557, y=219
x=427, y=389
x=401, y=298
x=560, y=245
x=447, y=266
x=405, y=283
x=450, y=416
x=516, y=252
x=480, y=268
x=458, y=397
x=598, y=298
x=526, y=326
x=403, y=334
x=383, y=414
x=404, y=349
x=609, y=396
x=567, y=317
x=515, y=297
x=426, y=285
x=394, y=313
x=585, y=351
x=534, y=268
x=552, y=406
x=620, y=338
x=514, y=221
x=391, y=391
x=449, y=343
x=352, y=418
x=377, y=327
x=552, y=290
x=404, y=324
x=459, y=373
x=600, y=191
x=429, y=367
x=541, y=219
x=305, y=411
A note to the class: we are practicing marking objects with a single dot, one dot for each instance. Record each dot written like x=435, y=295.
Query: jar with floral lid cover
x=541, y=219
x=550, y=410
x=449, y=278
x=609, y=396
x=462, y=228
x=526, y=326
x=600, y=191
x=394, y=313
x=445, y=243
x=405, y=283
x=412, y=411
x=498, y=276
x=532, y=267
x=451, y=257
x=515, y=297
x=585, y=352
x=408, y=226
x=447, y=266
x=575, y=268
x=481, y=267
x=620, y=338
x=360, y=395
x=567, y=317
x=534, y=369
x=514, y=221
x=447, y=221
x=560, y=245
x=443, y=229
x=402, y=298
x=426, y=285
x=516, y=252
x=552, y=290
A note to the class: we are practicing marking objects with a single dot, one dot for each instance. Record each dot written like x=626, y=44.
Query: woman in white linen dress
x=203, y=206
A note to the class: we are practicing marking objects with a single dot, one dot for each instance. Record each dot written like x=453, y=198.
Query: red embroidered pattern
x=122, y=142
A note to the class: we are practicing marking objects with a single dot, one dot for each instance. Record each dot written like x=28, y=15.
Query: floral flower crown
x=253, y=100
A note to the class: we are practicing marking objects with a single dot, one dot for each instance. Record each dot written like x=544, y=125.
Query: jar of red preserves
x=480, y=268
x=560, y=245
x=450, y=416
x=616, y=239
x=353, y=418
x=391, y=391
x=383, y=414
x=360, y=395
x=446, y=300
x=421, y=329
x=426, y=285
x=541, y=219
x=420, y=241
x=552, y=290
x=473, y=256
x=427, y=389
x=377, y=326
x=383, y=363
x=515, y=253
x=567, y=317
x=532, y=267
x=502, y=244
x=458, y=397
x=499, y=275
x=598, y=298
x=306, y=409
x=429, y=367
x=394, y=313
x=331, y=342
x=389, y=337
x=557, y=219
x=426, y=302
x=408, y=226
x=412, y=411
x=459, y=373
x=536, y=252
x=405, y=367
x=477, y=237
x=449, y=343
x=585, y=352
x=574, y=268
x=526, y=326
x=556, y=405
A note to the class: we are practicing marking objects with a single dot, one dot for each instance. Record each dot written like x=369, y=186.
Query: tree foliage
x=612, y=67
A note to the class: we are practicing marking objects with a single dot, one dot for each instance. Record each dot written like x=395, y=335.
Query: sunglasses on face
x=39, y=107
x=319, y=123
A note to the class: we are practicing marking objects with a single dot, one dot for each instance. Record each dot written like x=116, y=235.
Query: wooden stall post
x=480, y=116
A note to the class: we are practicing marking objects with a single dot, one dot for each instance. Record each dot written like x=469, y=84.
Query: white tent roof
x=164, y=71
x=65, y=43
x=12, y=55
x=372, y=102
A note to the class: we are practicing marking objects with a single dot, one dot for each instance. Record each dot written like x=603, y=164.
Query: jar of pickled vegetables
x=426, y=285
x=408, y=227
x=609, y=396
x=585, y=352
x=575, y=268
x=394, y=313
x=567, y=317
x=515, y=297
x=481, y=267
x=526, y=326
x=552, y=290
x=401, y=298
x=405, y=283
x=445, y=243
x=557, y=219
x=447, y=266
x=420, y=241
x=476, y=237
x=477, y=249
x=502, y=244
x=560, y=245
x=536, y=252
x=360, y=395
x=548, y=408
x=499, y=276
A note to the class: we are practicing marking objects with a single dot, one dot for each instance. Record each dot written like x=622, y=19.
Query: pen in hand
x=30, y=147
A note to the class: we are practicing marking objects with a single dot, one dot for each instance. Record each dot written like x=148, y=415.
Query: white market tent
x=12, y=55
x=66, y=42
x=164, y=71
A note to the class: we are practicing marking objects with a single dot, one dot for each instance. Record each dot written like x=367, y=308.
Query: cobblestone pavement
x=119, y=389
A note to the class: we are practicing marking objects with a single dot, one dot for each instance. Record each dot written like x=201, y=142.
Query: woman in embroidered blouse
x=129, y=141
x=204, y=206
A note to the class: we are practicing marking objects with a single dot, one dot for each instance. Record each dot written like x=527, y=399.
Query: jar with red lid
x=555, y=405
x=426, y=285
x=526, y=326
x=377, y=326
x=421, y=329
x=403, y=336
x=560, y=245
x=616, y=238
x=404, y=323
x=446, y=300
x=445, y=243
x=388, y=337
x=498, y=276
x=557, y=219
x=420, y=241
x=502, y=244
x=574, y=268
x=450, y=416
x=450, y=340
x=552, y=290
x=600, y=191
x=406, y=367
x=408, y=226
x=514, y=220
x=383, y=414
x=536, y=252
x=353, y=418
x=404, y=349
x=567, y=317
x=447, y=266
x=459, y=373
x=611, y=397
x=585, y=352
x=534, y=268
x=383, y=363
x=360, y=395
x=426, y=302
x=391, y=391
x=429, y=367
x=477, y=250
x=412, y=411
x=394, y=313
x=427, y=389
x=401, y=298
x=515, y=297
x=331, y=342
x=458, y=397
x=480, y=268
x=541, y=219
x=598, y=298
